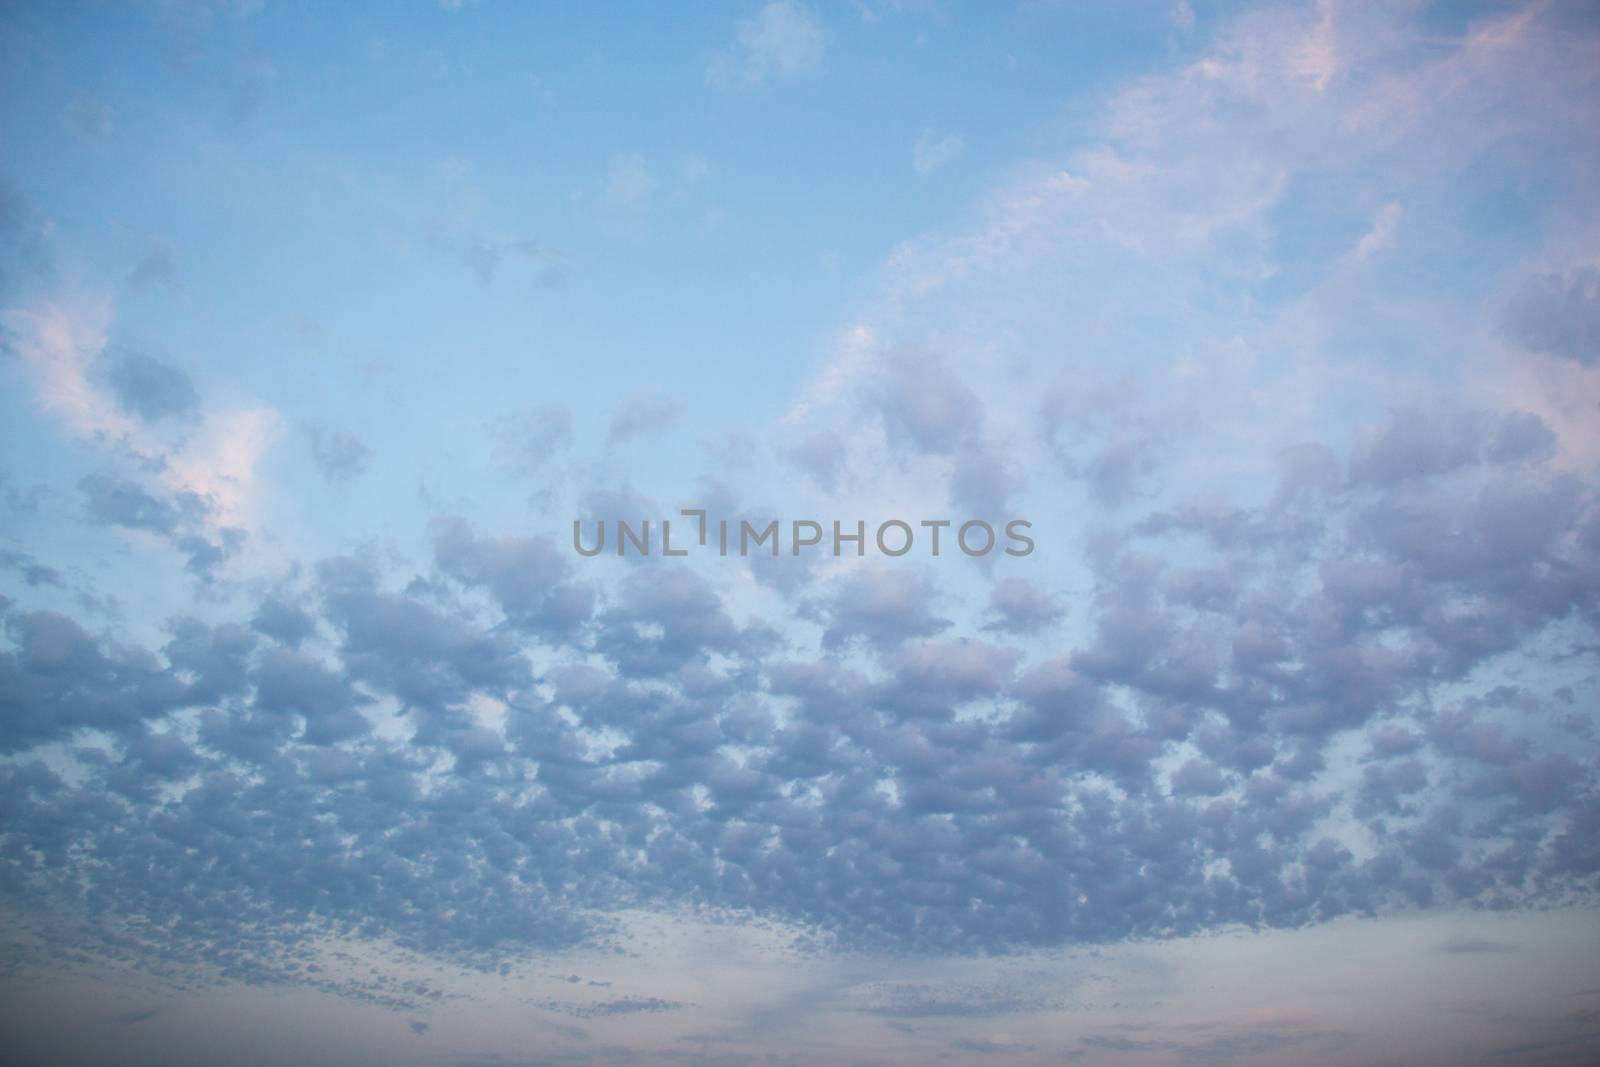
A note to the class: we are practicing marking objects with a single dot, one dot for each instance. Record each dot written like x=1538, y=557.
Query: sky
x=330, y=333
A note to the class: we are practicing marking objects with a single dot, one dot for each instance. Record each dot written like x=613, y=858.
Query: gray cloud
x=1470, y=945
x=918, y=1000
x=647, y=742
x=340, y=457
x=882, y=606
x=529, y=578
x=643, y=416
x=295, y=683
x=629, y=1005
x=526, y=441
x=991, y=1047
x=33, y=572
x=120, y=502
x=157, y=267
x=1107, y=435
x=149, y=387
x=1022, y=606
x=1221, y=1043
x=1557, y=314
x=1417, y=444
x=820, y=455
x=925, y=405
x=283, y=622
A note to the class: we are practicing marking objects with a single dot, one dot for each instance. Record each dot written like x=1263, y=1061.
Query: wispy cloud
x=784, y=40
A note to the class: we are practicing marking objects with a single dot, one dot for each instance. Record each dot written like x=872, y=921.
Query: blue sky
x=321, y=325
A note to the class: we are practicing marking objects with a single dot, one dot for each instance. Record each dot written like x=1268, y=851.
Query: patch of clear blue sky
x=322, y=174
x=277, y=152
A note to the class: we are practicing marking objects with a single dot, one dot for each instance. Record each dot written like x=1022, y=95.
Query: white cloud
x=693, y=168
x=933, y=151
x=59, y=342
x=219, y=463
x=1381, y=235
x=783, y=40
x=629, y=189
x=1182, y=197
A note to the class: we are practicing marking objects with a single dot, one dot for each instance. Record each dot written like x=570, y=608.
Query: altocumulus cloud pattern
x=1279, y=324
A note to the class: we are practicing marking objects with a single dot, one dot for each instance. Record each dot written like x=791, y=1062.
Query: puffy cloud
x=186, y=520
x=295, y=683
x=120, y=502
x=427, y=657
x=925, y=404
x=934, y=678
x=283, y=621
x=149, y=388
x=1557, y=314
x=215, y=657
x=59, y=679
x=60, y=342
x=666, y=618
x=1108, y=435
x=33, y=572
x=881, y=606
x=821, y=455
x=1022, y=605
x=1416, y=444
x=938, y=794
x=529, y=578
x=1198, y=776
x=1254, y=714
